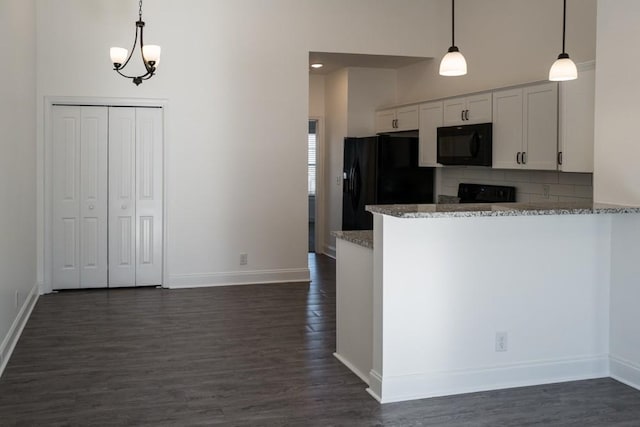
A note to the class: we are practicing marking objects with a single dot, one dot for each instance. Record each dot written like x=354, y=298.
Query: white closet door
x=79, y=197
x=149, y=196
x=93, y=197
x=66, y=197
x=122, y=199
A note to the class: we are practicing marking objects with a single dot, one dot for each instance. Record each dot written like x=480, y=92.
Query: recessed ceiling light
x=317, y=65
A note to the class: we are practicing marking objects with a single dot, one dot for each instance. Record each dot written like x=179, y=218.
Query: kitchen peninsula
x=464, y=298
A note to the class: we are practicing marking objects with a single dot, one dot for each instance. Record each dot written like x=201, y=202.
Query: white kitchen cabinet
x=507, y=128
x=397, y=119
x=468, y=110
x=525, y=127
x=431, y=118
x=577, y=108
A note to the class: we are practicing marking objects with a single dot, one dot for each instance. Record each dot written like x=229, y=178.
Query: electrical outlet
x=501, y=341
x=545, y=189
x=244, y=259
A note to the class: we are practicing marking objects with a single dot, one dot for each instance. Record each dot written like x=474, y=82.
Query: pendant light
x=453, y=63
x=150, y=54
x=563, y=69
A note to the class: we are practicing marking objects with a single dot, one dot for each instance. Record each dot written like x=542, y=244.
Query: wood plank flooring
x=257, y=355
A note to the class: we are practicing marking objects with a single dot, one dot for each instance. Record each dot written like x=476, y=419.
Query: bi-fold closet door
x=107, y=196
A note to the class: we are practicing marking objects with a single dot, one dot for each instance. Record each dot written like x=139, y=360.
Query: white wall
x=617, y=149
x=235, y=75
x=17, y=164
x=316, y=95
x=505, y=42
x=368, y=89
x=336, y=104
x=616, y=172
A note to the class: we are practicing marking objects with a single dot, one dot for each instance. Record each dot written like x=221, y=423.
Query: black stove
x=479, y=193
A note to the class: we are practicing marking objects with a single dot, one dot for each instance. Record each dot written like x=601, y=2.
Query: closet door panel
x=149, y=155
x=66, y=197
x=93, y=197
x=122, y=200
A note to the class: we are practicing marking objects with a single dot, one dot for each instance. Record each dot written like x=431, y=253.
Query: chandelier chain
x=140, y=10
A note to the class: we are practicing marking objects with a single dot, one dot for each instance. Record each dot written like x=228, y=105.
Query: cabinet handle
x=395, y=123
x=560, y=158
x=462, y=115
x=518, y=157
x=466, y=115
x=524, y=157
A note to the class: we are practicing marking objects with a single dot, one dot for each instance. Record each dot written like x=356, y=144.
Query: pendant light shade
x=564, y=68
x=453, y=63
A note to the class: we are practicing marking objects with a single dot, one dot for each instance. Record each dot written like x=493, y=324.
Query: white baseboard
x=421, y=386
x=11, y=339
x=238, y=278
x=330, y=251
x=352, y=367
x=625, y=371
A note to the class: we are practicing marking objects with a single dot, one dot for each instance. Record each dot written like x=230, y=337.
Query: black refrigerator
x=381, y=170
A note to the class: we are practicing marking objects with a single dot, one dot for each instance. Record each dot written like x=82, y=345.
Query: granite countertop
x=499, y=209
x=362, y=238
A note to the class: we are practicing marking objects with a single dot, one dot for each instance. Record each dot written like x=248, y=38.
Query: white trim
x=625, y=371
x=11, y=339
x=352, y=368
x=45, y=167
x=420, y=386
x=293, y=275
x=330, y=251
x=375, y=385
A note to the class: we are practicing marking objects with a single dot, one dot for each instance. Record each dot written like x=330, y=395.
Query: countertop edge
x=362, y=238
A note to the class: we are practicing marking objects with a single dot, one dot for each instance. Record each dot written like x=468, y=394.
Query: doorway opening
x=312, y=141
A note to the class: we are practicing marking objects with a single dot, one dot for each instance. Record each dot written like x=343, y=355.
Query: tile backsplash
x=531, y=186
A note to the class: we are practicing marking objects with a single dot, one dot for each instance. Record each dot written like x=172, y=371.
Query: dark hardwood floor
x=241, y=356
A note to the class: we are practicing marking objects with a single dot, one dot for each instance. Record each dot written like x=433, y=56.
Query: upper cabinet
x=397, y=119
x=468, y=110
x=430, y=120
x=525, y=127
x=577, y=109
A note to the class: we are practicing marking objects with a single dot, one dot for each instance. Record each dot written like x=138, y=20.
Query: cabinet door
x=148, y=196
x=122, y=197
x=385, y=120
x=407, y=118
x=577, y=107
x=507, y=129
x=480, y=108
x=430, y=121
x=541, y=126
x=454, y=111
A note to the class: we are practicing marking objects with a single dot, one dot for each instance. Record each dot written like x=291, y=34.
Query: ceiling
x=335, y=61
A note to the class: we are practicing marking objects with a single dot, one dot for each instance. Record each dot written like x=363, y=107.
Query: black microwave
x=465, y=145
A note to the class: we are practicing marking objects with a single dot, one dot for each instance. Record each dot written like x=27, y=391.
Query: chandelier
x=150, y=54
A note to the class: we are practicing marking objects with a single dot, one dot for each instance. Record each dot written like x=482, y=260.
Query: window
x=312, y=141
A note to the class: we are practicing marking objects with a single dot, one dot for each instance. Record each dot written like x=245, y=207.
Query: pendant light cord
x=453, y=23
x=564, y=24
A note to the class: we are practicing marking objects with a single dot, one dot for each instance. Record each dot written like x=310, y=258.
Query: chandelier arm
x=144, y=61
x=135, y=41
